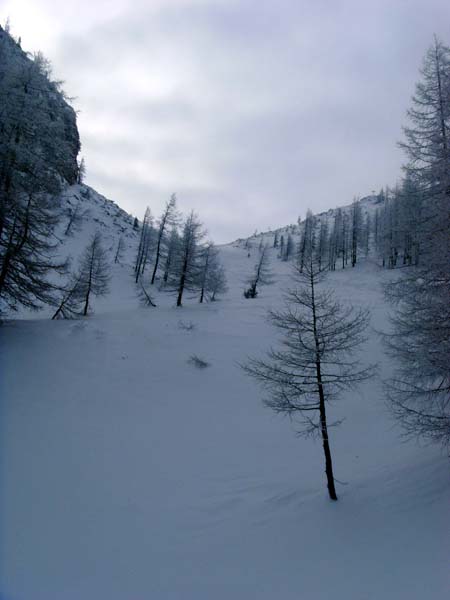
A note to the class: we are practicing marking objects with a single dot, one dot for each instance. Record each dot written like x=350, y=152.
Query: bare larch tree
x=166, y=219
x=262, y=274
x=93, y=276
x=315, y=360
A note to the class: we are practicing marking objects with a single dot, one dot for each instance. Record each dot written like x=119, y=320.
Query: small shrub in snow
x=197, y=362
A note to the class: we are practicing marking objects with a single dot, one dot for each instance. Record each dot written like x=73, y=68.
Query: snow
x=127, y=473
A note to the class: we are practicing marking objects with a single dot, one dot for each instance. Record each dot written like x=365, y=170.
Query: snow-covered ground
x=128, y=474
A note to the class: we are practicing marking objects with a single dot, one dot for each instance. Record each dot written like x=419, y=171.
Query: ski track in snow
x=128, y=474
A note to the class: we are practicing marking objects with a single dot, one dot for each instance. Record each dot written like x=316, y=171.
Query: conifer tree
x=315, y=361
x=37, y=155
x=94, y=272
x=262, y=274
x=184, y=275
x=419, y=392
x=166, y=219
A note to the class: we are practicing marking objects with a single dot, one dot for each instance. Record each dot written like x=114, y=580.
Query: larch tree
x=36, y=158
x=185, y=272
x=94, y=272
x=305, y=241
x=289, y=248
x=207, y=256
x=81, y=175
x=171, y=250
x=322, y=243
x=217, y=282
x=315, y=360
x=145, y=244
x=165, y=221
x=212, y=278
x=69, y=305
x=356, y=230
x=419, y=392
x=262, y=274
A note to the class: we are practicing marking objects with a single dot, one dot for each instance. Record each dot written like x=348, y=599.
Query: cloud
x=252, y=111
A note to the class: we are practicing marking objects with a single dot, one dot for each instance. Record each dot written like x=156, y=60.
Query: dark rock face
x=49, y=100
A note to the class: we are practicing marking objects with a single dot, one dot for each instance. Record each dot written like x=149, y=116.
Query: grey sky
x=250, y=111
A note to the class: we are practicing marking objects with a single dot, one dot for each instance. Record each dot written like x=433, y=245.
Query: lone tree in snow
x=262, y=274
x=93, y=274
x=315, y=360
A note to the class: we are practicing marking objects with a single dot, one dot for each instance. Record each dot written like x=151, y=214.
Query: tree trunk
x=182, y=283
x=322, y=411
x=158, y=252
x=86, y=302
x=326, y=445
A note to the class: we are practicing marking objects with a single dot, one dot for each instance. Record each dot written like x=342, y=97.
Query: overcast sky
x=250, y=111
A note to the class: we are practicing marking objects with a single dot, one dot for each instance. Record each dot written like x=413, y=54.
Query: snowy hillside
x=127, y=472
x=93, y=212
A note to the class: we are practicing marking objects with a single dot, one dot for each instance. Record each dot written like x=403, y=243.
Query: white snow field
x=127, y=473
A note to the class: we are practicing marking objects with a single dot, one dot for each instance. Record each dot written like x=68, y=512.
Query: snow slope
x=127, y=473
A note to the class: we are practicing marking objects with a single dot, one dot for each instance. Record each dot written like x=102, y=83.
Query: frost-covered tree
x=27, y=253
x=334, y=242
x=37, y=154
x=81, y=171
x=427, y=138
x=289, y=248
x=217, y=282
x=281, y=253
x=185, y=271
x=366, y=234
x=420, y=338
x=419, y=391
x=344, y=237
x=171, y=250
x=315, y=361
x=356, y=230
x=145, y=244
x=165, y=221
x=262, y=274
x=94, y=272
x=211, y=275
x=321, y=251
x=306, y=238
